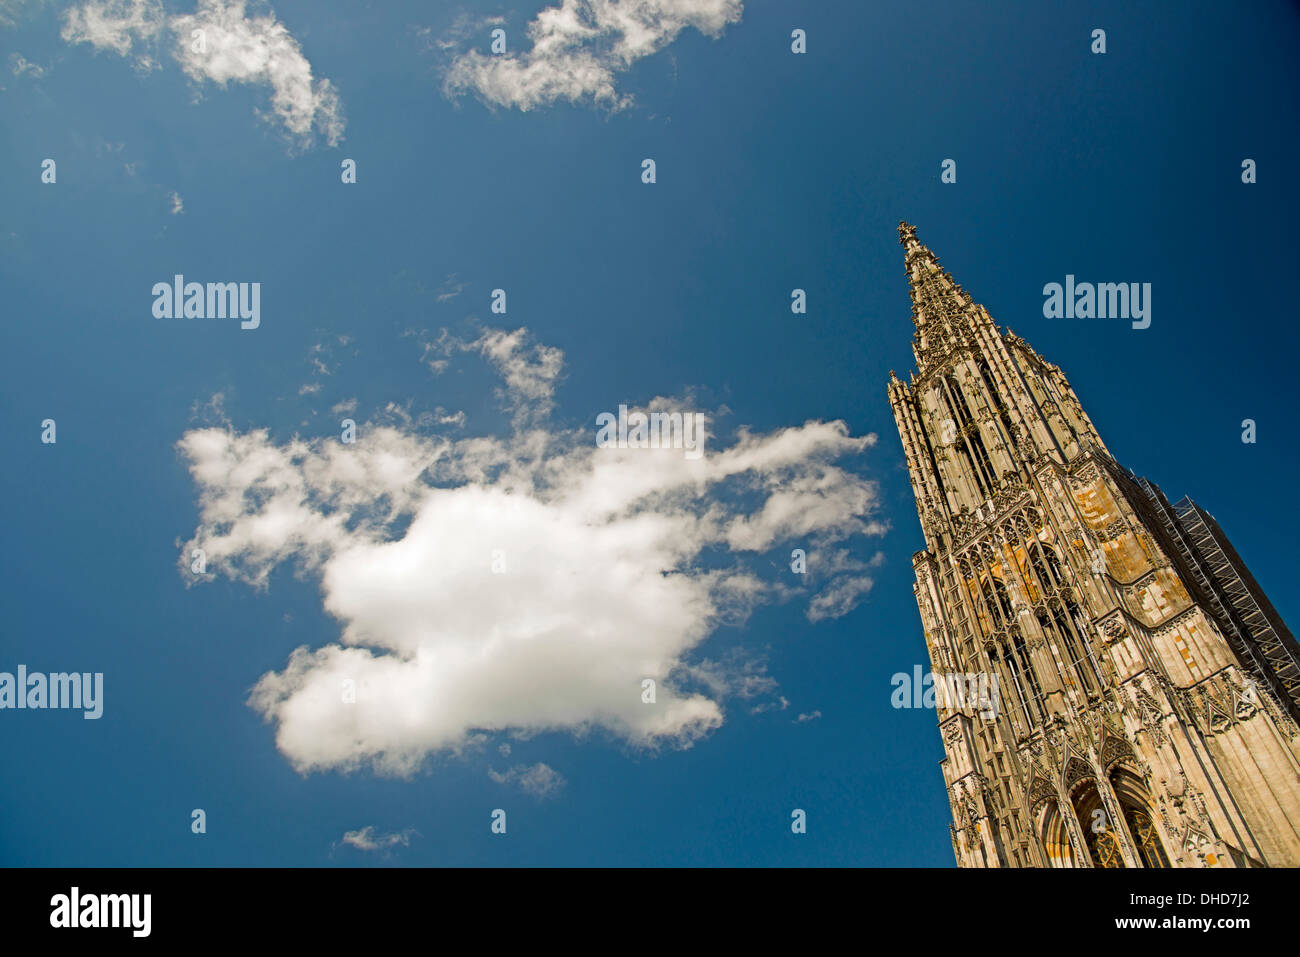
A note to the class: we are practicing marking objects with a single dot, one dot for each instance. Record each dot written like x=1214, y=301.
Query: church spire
x=936, y=296
x=941, y=310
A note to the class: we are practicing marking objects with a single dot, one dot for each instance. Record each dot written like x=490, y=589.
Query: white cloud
x=217, y=43
x=514, y=584
x=442, y=417
x=780, y=704
x=451, y=288
x=805, y=718
x=848, y=582
x=258, y=50
x=739, y=674
x=368, y=839
x=579, y=46
x=540, y=780
x=840, y=598
x=19, y=64
x=178, y=205
x=531, y=371
x=125, y=27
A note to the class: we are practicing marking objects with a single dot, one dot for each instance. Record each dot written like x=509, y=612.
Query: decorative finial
x=906, y=233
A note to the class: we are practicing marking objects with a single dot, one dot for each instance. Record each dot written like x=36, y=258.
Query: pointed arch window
x=1013, y=659
x=971, y=445
x=1060, y=618
x=995, y=596
x=1136, y=805
x=1098, y=830
x=995, y=397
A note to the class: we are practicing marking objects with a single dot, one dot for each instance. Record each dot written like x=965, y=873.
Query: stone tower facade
x=1147, y=693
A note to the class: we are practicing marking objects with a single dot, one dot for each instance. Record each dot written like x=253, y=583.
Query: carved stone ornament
x=1112, y=628
x=1114, y=750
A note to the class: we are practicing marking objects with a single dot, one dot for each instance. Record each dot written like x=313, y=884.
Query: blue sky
x=775, y=171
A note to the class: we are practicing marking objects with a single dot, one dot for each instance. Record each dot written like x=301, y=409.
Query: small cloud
x=805, y=718
x=464, y=27
x=530, y=370
x=368, y=839
x=259, y=50
x=218, y=44
x=577, y=49
x=178, y=206
x=212, y=412
x=125, y=27
x=840, y=598
x=344, y=407
x=21, y=65
x=540, y=780
x=443, y=417
x=451, y=288
x=780, y=704
x=737, y=675
x=317, y=362
x=504, y=750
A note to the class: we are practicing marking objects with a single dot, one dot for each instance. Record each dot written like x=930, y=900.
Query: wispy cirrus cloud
x=19, y=65
x=578, y=48
x=218, y=43
x=125, y=27
x=531, y=371
x=539, y=780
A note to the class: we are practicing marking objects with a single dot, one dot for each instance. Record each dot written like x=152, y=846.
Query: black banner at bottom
x=337, y=905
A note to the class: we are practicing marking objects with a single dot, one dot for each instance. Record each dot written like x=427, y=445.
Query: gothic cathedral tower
x=1147, y=693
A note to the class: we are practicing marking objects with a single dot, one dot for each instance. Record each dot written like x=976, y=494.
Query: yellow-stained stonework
x=1149, y=692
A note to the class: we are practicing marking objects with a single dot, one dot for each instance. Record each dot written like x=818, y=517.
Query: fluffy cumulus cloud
x=258, y=50
x=525, y=582
x=578, y=48
x=218, y=43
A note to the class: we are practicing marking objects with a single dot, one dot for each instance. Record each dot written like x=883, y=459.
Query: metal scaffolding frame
x=1251, y=624
x=1238, y=589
